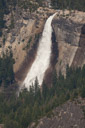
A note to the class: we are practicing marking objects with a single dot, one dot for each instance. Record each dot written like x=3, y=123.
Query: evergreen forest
x=20, y=111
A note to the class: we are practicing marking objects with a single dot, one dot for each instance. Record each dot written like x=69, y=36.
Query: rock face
x=69, y=29
x=69, y=115
x=70, y=36
x=23, y=38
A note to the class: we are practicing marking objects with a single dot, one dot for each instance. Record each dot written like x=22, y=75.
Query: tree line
x=69, y=4
x=6, y=69
x=32, y=105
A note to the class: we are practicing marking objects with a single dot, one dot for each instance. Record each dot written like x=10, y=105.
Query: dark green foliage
x=6, y=70
x=2, y=10
x=39, y=2
x=54, y=3
x=44, y=91
x=33, y=104
x=12, y=22
x=69, y=4
x=83, y=91
x=11, y=124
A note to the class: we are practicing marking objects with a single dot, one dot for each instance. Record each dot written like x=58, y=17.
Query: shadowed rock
x=79, y=58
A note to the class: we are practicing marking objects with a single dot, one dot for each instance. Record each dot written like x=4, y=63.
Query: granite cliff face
x=70, y=36
x=23, y=38
x=69, y=115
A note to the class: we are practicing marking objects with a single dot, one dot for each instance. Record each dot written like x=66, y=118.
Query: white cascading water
x=42, y=60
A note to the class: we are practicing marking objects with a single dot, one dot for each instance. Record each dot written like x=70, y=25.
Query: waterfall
x=42, y=60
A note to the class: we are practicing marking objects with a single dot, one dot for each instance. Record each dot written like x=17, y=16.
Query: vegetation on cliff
x=7, y=6
x=2, y=8
x=6, y=69
x=69, y=4
x=31, y=105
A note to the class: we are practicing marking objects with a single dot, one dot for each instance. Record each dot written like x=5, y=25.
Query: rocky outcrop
x=69, y=115
x=70, y=36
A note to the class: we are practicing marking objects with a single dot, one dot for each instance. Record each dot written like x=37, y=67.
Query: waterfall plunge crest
x=42, y=60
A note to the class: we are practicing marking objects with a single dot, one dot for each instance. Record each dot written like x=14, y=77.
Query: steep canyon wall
x=70, y=35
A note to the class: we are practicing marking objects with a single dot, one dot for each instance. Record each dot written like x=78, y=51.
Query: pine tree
x=44, y=91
